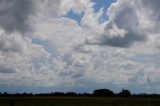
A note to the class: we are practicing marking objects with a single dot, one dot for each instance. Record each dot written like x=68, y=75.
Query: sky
x=79, y=45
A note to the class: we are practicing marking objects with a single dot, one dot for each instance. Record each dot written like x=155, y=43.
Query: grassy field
x=77, y=101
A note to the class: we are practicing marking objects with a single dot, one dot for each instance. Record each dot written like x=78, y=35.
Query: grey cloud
x=71, y=67
x=82, y=49
x=11, y=43
x=154, y=6
x=74, y=73
x=118, y=41
x=4, y=69
x=9, y=48
x=14, y=15
x=124, y=16
x=151, y=9
x=52, y=7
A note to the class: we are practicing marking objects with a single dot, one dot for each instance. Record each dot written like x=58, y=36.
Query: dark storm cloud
x=4, y=69
x=14, y=15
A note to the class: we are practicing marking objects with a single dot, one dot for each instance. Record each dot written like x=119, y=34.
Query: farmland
x=78, y=101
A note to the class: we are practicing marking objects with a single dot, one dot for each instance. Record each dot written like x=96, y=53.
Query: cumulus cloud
x=61, y=51
x=11, y=43
x=129, y=22
x=14, y=15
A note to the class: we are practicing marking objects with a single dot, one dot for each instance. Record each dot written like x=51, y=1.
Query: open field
x=77, y=101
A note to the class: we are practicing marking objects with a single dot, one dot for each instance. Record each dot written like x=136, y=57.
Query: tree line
x=96, y=93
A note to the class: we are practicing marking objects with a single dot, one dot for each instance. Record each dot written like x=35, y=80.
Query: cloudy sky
x=79, y=45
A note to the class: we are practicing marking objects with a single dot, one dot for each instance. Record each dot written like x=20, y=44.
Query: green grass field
x=77, y=101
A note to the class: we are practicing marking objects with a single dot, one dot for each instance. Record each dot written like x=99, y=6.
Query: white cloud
x=59, y=51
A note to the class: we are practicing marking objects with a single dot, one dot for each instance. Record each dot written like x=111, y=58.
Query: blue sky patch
x=102, y=4
x=74, y=16
x=97, y=6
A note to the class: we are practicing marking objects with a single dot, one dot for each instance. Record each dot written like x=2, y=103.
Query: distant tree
x=71, y=94
x=103, y=92
x=30, y=94
x=17, y=94
x=58, y=94
x=5, y=93
x=85, y=94
x=24, y=94
x=124, y=93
